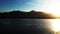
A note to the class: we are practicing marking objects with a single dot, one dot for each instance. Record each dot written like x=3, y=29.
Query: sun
x=55, y=25
x=51, y=6
x=56, y=14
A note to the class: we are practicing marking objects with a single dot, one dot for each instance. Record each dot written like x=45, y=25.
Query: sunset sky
x=26, y=5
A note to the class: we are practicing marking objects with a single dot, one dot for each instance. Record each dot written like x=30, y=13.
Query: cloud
x=35, y=4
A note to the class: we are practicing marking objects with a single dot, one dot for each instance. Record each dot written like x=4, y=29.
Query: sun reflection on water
x=55, y=25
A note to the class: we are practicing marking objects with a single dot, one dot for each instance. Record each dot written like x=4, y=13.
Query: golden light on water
x=55, y=24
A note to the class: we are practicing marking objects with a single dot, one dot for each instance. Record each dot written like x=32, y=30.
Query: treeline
x=22, y=14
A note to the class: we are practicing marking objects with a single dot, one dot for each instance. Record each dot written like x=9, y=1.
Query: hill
x=21, y=14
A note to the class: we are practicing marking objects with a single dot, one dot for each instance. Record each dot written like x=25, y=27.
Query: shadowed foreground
x=22, y=29
x=23, y=26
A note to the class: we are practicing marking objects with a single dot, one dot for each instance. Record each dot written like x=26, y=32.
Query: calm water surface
x=25, y=26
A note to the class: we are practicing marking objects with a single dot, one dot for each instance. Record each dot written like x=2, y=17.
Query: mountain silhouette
x=22, y=14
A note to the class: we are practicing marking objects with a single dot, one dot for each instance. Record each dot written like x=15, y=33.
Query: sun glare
x=55, y=25
x=52, y=6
